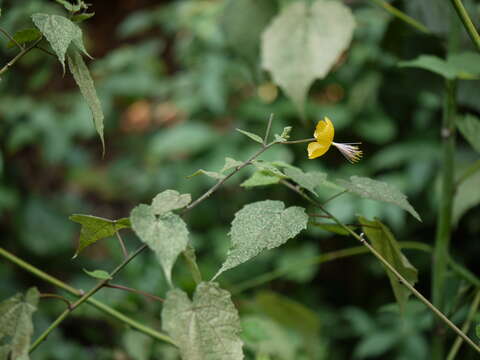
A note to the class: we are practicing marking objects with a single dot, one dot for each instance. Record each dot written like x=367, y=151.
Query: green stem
x=466, y=326
x=316, y=260
x=82, y=299
x=402, y=16
x=11, y=38
x=444, y=223
x=467, y=22
x=471, y=170
x=414, y=291
x=19, y=56
x=98, y=304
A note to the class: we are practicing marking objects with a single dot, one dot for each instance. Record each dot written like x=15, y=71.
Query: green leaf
x=206, y=327
x=84, y=81
x=16, y=323
x=169, y=200
x=166, y=235
x=212, y=174
x=252, y=136
x=477, y=331
x=260, y=178
x=98, y=274
x=60, y=33
x=333, y=228
x=379, y=191
x=433, y=64
x=385, y=243
x=269, y=168
x=307, y=181
x=303, y=42
x=230, y=164
x=462, y=66
x=69, y=6
x=96, y=228
x=24, y=36
x=469, y=126
x=466, y=197
x=245, y=40
x=265, y=336
x=259, y=226
x=82, y=17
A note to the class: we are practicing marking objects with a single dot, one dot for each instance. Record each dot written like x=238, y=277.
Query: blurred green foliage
x=174, y=84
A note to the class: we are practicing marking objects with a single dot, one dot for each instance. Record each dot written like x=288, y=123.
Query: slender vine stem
x=471, y=170
x=402, y=16
x=335, y=196
x=23, y=52
x=414, y=291
x=92, y=301
x=122, y=244
x=466, y=326
x=316, y=260
x=467, y=22
x=135, y=291
x=11, y=38
x=55, y=296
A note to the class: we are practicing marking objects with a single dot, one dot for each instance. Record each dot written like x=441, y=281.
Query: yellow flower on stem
x=323, y=134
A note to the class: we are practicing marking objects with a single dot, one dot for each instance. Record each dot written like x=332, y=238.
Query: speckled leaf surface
x=205, y=328
x=309, y=180
x=169, y=200
x=16, y=323
x=166, y=235
x=259, y=226
x=380, y=191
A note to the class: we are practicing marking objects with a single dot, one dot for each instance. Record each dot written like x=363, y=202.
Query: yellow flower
x=324, y=133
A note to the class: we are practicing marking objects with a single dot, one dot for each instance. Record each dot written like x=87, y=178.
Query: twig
x=92, y=301
x=136, y=291
x=465, y=327
x=467, y=22
x=11, y=38
x=297, y=141
x=55, y=296
x=19, y=56
x=334, y=196
x=388, y=266
x=122, y=244
x=46, y=51
x=267, y=132
x=402, y=16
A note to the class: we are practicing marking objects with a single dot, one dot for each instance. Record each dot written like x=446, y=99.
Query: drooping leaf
x=16, y=323
x=378, y=190
x=467, y=63
x=212, y=174
x=166, y=235
x=60, y=33
x=245, y=40
x=24, y=36
x=85, y=82
x=260, y=178
x=385, y=243
x=308, y=180
x=169, y=200
x=206, y=327
x=98, y=274
x=466, y=197
x=230, y=164
x=252, y=136
x=96, y=228
x=469, y=126
x=259, y=226
x=303, y=42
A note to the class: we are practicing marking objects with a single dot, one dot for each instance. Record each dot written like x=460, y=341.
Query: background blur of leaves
x=175, y=79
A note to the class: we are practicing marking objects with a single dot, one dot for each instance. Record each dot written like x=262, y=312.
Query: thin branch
x=267, y=132
x=135, y=291
x=467, y=22
x=55, y=296
x=19, y=56
x=414, y=291
x=334, y=196
x=11, y=38
x=92, y=301
x=317, y=260
x=297, y=141
x=46, y=51
x=122, y=244
x=466, y=326
x=402, y=16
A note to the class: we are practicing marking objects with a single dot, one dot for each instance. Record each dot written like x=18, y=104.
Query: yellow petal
x=316, y=149
x=324, y=132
